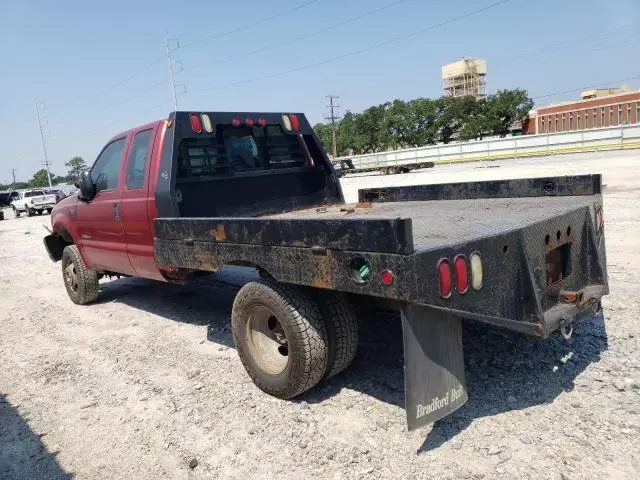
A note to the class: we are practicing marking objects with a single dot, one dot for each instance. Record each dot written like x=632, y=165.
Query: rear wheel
x=280, y=337
x=39, y=212
x=80, y=282
x=342, y=330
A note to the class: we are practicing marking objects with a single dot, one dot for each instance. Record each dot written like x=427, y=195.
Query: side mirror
x=86, y=185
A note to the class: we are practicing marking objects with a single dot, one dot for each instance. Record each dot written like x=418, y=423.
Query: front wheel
x=80, y=282
x=280, y=337
x=30, y=211
x=16, y=212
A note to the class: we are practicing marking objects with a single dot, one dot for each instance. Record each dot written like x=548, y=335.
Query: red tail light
x=387, y=277
x=262, y=121
x=444, y=272
x=295, y=122
x=249, y=122
x=235, y=122
x=462, y=274
x=196, y=126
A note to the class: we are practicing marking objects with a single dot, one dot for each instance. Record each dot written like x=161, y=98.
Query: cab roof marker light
x=235, y=122
x=286, y=123
x=196, y=126
x=206, y=123
x=249, y=122
x=262, y=121
x=476, y=270
x=295, y=122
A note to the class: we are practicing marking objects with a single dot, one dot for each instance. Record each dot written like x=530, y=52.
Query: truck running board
x=433, y=364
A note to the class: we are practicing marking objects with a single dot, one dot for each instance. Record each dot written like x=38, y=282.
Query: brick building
x=595, y=109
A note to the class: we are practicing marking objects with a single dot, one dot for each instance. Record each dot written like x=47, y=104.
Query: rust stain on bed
x=322, y=272
x=218, y=233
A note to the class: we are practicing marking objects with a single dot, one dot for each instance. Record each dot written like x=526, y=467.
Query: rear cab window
x=239, y=150
x=34, y=193
x=138, y=160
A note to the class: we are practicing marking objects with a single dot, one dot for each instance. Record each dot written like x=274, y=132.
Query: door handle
x=116, y=212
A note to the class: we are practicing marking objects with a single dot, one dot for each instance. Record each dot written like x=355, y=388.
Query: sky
x=98, y=68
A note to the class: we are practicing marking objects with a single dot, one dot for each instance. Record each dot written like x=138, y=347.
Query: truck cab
x=192, y=165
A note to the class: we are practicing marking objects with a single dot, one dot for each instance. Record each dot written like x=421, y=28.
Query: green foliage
x=424, y=121
x=40, y=179
x=76, y=165
x=505, y=107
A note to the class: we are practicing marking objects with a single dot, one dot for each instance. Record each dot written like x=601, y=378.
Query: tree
x=323, y=132
x=76, y=165
x=40, y=179
x=369, y=126
x=506, y=107
x=347, y=139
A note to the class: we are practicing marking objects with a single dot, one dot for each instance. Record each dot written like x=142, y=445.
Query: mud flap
x=434, y=384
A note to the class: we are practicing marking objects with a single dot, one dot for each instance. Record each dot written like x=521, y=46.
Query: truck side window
x=106, y=170
x=138, y=160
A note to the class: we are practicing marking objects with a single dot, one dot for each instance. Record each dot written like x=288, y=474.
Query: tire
x=342, y=330
x=80, y=282
x=280, y=337
x=39, y=212
x=16, y=212
x=30, y=211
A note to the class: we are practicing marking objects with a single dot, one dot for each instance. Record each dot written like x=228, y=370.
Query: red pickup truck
x=199, y=190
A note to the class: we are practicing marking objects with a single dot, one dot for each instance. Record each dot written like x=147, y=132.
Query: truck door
x=137, y=200
x=100, y=220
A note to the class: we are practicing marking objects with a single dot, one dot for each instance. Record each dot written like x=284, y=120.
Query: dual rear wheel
x=289, y=338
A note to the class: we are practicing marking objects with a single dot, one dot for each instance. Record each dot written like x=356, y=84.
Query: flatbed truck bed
x=209, y=189
x=445, y=223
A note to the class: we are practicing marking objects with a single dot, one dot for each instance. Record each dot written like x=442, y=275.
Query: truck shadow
x=206, y=300
x=508, y=371
x=23, y=456
x=504, y=370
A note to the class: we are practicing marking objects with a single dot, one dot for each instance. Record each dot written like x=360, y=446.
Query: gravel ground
x=146, y=384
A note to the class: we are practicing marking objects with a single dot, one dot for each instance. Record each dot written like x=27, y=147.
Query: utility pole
x=13, y=173
x=44, y=149
x=170, y=62
x=333, y=117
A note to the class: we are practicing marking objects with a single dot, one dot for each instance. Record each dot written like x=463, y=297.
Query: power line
x=545, y=49
x=333, y=117
x=365, y=49
x=603, y=84
x=251, y=25
x=302, y=37
x=113, y=86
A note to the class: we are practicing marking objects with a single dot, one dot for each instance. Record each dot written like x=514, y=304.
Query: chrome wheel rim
x=267, y=341
x=70, y=277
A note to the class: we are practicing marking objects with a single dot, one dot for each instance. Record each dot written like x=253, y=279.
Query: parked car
x=32, y=202
x=58, y=193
